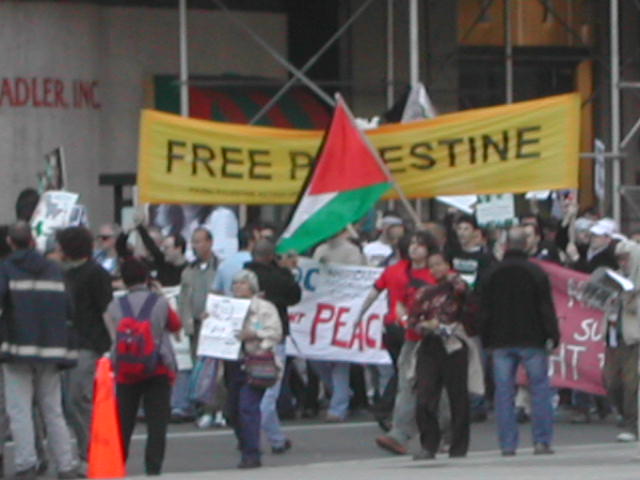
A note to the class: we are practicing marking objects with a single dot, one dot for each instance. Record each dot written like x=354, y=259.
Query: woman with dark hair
x=442, y=358
x=154, y=388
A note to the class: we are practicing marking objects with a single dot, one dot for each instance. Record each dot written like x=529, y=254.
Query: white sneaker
x=626, y=437
x=205, y=421
x=219, y=420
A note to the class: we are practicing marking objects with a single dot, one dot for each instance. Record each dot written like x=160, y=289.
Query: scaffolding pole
x=414, y=68
x=614, y=19
x=390, y=55
x=390, y=67
x=508, y=52
x=184, y=61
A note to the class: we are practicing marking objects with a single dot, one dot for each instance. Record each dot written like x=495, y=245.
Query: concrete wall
x=120, y=49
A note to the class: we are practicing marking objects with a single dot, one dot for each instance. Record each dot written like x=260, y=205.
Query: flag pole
x=403, y=198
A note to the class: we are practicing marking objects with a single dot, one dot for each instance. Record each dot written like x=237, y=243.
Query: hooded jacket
x=36, y=311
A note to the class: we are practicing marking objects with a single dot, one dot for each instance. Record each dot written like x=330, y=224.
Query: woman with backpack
x=247, y=378
x=140, y=323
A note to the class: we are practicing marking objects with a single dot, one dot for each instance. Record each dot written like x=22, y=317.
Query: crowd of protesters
x=466, y=306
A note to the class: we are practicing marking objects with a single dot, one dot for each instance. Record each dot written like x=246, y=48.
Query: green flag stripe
x=346, y=208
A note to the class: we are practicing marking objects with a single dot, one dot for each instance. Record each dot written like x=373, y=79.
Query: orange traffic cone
x=106, y=453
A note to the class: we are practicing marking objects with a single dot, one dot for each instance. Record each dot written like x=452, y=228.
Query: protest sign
x=218, y=334
x=496, y=210
x=54, y=175
x=577, y=362
x=52, y=213
x=322, y=324
x=511, y=148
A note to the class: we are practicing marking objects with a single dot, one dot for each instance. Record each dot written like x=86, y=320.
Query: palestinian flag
x=347, y=180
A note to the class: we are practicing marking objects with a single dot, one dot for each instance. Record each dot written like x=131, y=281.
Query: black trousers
x=155, y=394
x=393, y=338
x=435, y=369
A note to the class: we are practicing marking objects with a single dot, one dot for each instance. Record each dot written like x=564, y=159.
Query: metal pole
x=390, y=55
x=614, y=18
x=414, y=77
x=508, y=52
x=184, y=61
x=299, y=74
x=414, y=44
x=390, y=67
x=274, y=53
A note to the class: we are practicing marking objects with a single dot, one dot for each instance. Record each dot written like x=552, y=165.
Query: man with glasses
x=105, y=253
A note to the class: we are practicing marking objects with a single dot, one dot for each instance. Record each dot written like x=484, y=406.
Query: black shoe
x=384, y=424
x=249, y=463
x=542, y=449
x=282, y=449
x=28, y=474
x=508, y=453
x=424, y=455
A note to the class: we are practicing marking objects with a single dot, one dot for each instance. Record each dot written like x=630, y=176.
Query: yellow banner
x=511, y=148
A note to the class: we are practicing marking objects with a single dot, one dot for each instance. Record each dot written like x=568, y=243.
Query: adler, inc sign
x=48, y=92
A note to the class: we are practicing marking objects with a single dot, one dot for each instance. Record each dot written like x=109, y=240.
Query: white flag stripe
x=308, y=206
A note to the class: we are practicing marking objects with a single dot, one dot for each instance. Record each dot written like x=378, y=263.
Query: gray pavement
x=348, y=452
x=608, y=461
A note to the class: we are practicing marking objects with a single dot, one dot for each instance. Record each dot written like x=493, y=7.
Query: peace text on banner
x=322, y=325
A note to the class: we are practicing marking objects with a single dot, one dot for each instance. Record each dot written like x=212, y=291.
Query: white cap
x=604, y=226
x=390, y=220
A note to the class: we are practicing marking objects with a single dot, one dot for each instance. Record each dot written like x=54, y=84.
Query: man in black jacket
x=280, y=288
x=89, y=286
x=519, y=325
x=35, y=327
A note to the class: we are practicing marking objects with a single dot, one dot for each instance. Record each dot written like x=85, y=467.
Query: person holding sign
x=261, y=332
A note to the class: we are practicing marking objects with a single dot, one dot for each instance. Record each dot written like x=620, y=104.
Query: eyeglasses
x=103, y=237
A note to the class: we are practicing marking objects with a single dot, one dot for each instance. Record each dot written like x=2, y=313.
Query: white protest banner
x=322, y=324
x=219, y=330
x=181, y=347
x=496, y=210
x=52, y=213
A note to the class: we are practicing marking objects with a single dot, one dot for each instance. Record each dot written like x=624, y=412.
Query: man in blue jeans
x=519, y=325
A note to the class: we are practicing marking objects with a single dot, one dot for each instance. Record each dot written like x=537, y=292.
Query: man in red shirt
x=401, y=281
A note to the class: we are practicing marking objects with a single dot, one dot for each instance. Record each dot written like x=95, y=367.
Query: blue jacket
x=36, y=311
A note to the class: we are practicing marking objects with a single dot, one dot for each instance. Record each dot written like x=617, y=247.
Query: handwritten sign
x=219, y=331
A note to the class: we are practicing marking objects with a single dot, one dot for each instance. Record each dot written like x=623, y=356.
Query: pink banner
x=577, y=362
